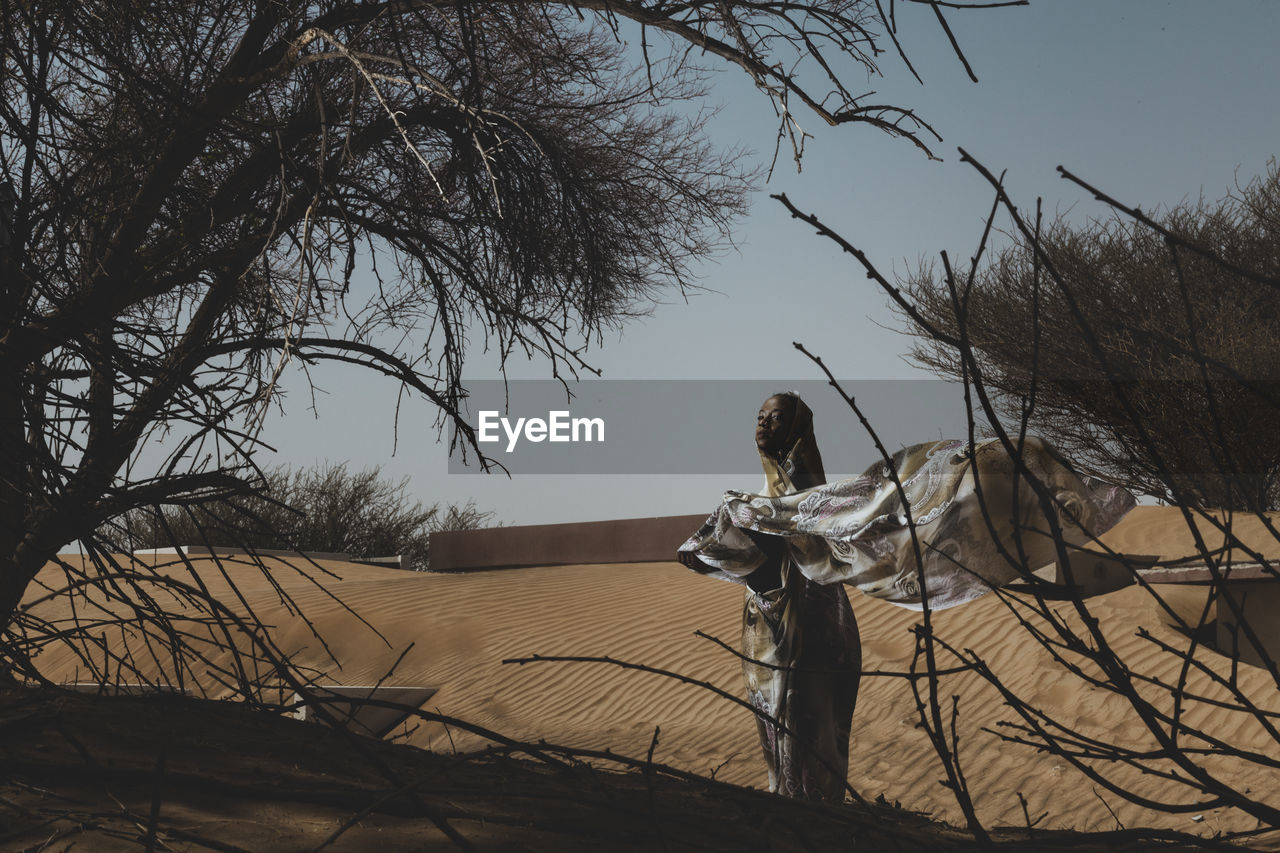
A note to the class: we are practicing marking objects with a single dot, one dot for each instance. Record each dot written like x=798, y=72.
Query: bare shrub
x=1063, y=320
x=1194, y=338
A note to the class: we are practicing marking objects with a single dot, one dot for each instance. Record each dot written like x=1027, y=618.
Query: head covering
x=798, y=465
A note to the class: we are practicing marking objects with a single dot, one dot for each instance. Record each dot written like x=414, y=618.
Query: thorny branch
x=1180, y=752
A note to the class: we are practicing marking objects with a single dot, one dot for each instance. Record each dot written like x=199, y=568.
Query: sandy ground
x=458, y=630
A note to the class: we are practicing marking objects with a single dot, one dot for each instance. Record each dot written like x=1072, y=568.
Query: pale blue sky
x=1155, y=101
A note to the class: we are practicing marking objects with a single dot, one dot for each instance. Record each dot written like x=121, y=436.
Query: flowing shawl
x=978, y=523
x=801, y=655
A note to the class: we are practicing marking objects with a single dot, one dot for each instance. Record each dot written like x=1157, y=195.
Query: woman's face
x=773, y=424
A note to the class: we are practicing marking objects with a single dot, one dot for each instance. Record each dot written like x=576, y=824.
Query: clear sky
x=1155, y=101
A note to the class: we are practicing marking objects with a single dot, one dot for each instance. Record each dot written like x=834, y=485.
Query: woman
x=802, y=659
x=978, y=522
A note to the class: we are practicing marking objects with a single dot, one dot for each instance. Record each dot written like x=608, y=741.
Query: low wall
x=395, y=562
x=627, y=540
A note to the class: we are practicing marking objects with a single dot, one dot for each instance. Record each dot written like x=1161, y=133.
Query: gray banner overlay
x=691, y=426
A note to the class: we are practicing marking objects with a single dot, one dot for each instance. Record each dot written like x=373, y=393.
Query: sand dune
x=462, y=626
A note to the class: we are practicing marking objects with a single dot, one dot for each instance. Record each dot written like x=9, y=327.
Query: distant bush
x=325, y=508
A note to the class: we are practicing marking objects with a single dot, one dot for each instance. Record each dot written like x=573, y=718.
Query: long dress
x=801, y=655
x=802, y=662
x=978, y=523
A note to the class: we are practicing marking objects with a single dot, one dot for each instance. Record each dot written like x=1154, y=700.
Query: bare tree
x=1187, y=764
x=321, y=509
x=1193, y=338
x=200, y=194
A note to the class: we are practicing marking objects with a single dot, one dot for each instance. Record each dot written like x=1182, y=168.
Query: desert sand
x=459, y=628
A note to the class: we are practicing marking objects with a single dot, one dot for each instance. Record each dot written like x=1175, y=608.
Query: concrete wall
x=628, y=540
x=1259, y=602
x=1256, y=592
x=395, y=562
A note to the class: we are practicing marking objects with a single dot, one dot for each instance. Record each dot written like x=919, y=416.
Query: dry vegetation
x=164, y=773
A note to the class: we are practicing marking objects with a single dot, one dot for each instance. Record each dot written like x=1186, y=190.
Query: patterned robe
x=802, y=660
x=977, y=525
